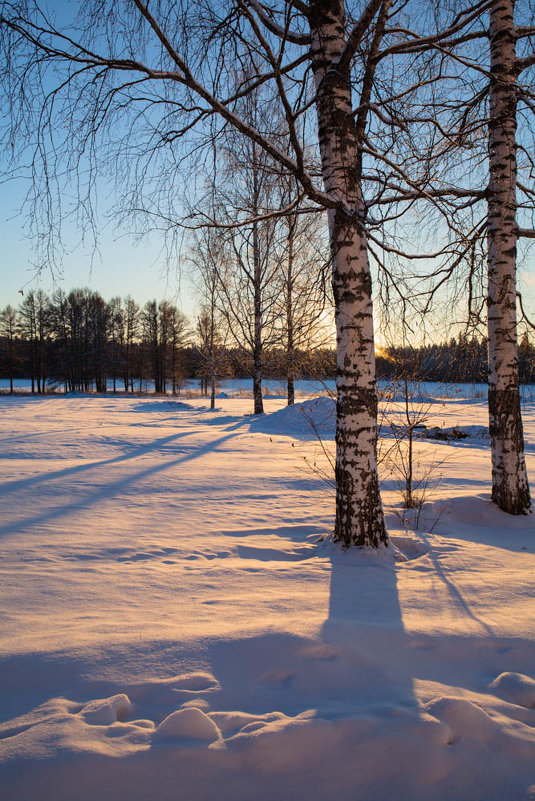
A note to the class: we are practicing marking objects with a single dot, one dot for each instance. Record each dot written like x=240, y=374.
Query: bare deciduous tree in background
x=207, y=257
x=303, y=311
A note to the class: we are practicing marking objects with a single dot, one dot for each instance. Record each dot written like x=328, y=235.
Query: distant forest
x=81, y=343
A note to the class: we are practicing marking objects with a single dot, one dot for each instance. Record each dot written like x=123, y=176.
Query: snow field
x=173, y=625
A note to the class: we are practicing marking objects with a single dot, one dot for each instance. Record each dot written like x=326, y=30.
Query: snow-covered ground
x=173, y=627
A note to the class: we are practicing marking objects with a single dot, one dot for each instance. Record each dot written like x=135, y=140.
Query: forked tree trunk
x=510, y=489
x=359, y=513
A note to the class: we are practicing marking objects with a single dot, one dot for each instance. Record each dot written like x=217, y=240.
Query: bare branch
x=283, y=33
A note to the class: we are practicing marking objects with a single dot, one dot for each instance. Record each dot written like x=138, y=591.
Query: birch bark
x=359, y=514
x=510, y=489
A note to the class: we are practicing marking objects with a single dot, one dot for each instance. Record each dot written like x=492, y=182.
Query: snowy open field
x=173, y=629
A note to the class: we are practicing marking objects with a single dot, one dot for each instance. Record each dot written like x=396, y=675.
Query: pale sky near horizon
x=123, y=267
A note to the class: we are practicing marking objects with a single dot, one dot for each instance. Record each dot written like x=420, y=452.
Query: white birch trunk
x=359, y=514
x=510, y=489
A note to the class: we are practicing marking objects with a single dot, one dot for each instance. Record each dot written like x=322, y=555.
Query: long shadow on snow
x=347, y=670
x=108, y=489
x=364, y=626
x=140, y=450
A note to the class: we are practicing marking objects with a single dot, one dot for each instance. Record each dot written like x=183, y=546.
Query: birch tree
x=207, y=257
x=301, y=284
x=245, y=287
x=510, y=488
x=482, y=120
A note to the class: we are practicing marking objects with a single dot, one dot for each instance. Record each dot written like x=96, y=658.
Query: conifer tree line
x=464, y=359
x=83, y=343
x=78, y=342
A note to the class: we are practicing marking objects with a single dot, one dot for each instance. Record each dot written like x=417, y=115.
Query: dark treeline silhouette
x=463, y=360
x=82, y=343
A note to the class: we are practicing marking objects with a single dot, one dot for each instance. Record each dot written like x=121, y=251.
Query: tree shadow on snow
x=363, y=629
x=347, y=670
x=107, y=489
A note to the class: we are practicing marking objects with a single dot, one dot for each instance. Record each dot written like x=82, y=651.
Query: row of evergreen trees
x=464, y=360
x=83, y=343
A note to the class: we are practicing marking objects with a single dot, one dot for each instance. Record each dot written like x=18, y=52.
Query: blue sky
x=123, y=266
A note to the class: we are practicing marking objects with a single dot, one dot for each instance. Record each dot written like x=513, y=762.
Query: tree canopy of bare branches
x=139, y=87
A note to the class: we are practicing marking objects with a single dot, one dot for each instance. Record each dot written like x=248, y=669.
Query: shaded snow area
x=175, y=626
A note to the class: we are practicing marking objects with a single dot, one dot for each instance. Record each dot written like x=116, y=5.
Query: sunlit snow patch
x=190, y=723
x=104, y=711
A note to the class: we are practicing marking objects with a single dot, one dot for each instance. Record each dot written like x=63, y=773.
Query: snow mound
x=194, y=681
x=516, y=688
x=306, y=419
x=158, y=405
x=230, y=723
x=465, y=719
x=408, y=548
x=190, y=723
x=105, y=711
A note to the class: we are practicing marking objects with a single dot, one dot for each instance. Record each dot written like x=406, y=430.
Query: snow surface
x=174, y=625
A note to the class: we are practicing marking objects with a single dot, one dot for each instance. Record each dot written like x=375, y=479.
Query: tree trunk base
x=510, y=487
